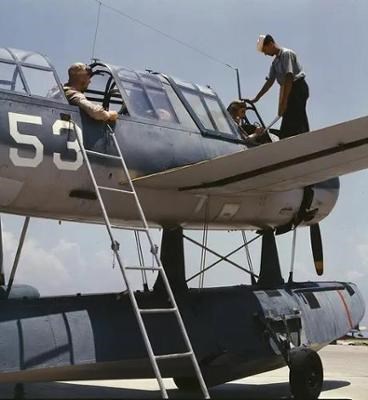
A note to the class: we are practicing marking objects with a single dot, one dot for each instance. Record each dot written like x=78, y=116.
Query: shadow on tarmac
x=57, y=390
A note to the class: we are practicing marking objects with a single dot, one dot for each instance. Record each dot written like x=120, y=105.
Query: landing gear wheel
x=306, y=374
x=19, y=392
x=187, y=384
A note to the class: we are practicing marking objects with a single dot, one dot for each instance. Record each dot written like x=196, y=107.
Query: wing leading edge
x=285, y=165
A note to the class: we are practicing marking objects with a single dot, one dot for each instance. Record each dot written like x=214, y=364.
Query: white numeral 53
x=33, y=141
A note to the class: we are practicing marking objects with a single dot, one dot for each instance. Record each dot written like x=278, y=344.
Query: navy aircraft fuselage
x=165, y=124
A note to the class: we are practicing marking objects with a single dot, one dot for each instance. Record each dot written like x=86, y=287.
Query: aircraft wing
x=284, y=165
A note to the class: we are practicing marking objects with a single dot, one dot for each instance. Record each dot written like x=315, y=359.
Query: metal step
x=138, y=268
x=115, y=190
x=173, y=356
x=102, y=155
x=157, y=310
x=129, y=228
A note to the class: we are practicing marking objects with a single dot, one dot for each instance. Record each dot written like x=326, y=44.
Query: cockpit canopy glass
x=5, y=55
x=40, y=82
x=29, y=73
x=207, y=107
x=157, y=97
x=30, y=57
x=196, y=103
x=150, y=96
x=147, y=96
x=213, y=105
x=10, y=78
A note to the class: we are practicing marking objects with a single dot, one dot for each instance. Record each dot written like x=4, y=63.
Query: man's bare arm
x=95, y=111
x=266, y=87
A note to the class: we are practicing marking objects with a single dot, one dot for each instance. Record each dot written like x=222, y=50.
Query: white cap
x=260, y=41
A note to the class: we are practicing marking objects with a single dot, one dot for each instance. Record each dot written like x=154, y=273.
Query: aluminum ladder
x=124, y=269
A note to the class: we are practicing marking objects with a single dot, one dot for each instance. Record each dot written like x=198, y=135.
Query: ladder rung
x=144, y=268
x=174, y=355
x=157, y=310
x=115, y=190
x=129, y=228
x=102, y=155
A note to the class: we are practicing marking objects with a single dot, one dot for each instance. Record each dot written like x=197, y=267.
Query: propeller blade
x=2, y=276
x=316, y=242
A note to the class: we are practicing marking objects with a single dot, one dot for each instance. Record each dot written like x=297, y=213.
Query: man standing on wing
x=294, y=90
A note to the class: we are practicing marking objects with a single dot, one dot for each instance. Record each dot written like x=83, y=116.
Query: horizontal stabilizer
x=284, y=165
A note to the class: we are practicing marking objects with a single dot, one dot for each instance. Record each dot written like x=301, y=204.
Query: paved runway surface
x=345, y=368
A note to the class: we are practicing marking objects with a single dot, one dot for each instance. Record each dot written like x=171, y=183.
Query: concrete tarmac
x=345, y=369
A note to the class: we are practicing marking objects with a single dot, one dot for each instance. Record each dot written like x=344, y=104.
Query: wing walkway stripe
x=283, y=164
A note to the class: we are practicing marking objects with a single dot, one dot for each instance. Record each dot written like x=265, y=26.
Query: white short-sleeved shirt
x=285, y=62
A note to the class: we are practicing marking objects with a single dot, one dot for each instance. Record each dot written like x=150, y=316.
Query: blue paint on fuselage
x=74, y=333
x=149, y=147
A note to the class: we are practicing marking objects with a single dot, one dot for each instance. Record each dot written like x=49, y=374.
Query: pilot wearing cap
x=79, y=79
x=294, y=91
x=237, y=110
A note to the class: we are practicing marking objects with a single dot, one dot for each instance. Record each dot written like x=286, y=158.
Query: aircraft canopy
x=167, y=100
x=147, y=95
x=28, y=72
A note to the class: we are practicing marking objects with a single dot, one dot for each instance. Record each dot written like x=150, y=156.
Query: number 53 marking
x=33, y=141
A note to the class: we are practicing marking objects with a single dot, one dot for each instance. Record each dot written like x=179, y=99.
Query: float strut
x=17, y=256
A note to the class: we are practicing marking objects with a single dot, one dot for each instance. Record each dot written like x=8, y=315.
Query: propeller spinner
x=2, y=276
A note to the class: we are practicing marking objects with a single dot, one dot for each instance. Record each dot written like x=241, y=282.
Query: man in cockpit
x=79, y=79
x=237, y=109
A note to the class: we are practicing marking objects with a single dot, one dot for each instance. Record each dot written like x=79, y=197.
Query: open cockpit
x=156, y=97
x=147, y=96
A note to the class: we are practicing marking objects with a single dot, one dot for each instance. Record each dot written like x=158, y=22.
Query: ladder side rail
x=185, y=334
x=142, y=329
x=163, y=274
x=140, y=210
x=130, y=291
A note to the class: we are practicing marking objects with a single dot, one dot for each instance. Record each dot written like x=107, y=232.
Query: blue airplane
x=190, y=164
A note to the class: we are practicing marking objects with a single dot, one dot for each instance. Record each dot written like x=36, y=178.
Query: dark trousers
x=295, y=120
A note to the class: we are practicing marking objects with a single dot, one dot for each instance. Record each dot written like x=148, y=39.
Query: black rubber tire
x=187, y=384
x=306, y=374
x=19, y=392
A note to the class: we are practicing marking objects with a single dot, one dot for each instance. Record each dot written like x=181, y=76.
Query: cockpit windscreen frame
x=33, y=75
x=200, y=111
x=150, y=95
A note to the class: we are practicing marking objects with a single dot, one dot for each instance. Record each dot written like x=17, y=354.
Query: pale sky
x=329, y=38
